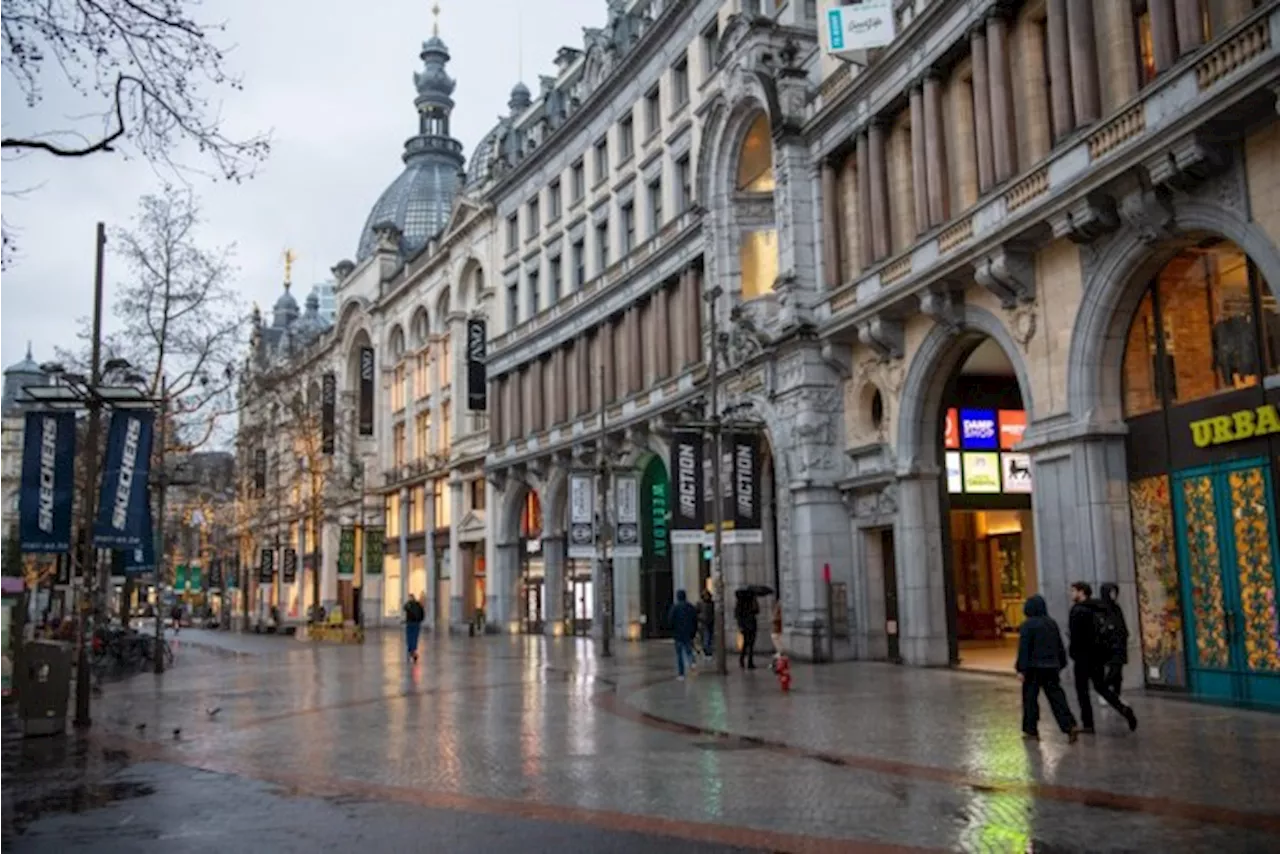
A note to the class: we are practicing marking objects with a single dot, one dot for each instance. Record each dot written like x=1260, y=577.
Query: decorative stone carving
x=1149, y=213
x=790, y=371
x=839, y=357
x=1187, y=162
x=1087, y=219
x=887, y=500
x=946, y=307
x=884, y=336
x=1021, y=320
x=1009, y=273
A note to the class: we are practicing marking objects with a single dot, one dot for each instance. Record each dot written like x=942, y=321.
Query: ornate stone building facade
x=1063, y=211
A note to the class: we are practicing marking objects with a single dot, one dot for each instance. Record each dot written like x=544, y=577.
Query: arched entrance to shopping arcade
x=987, y=525
x=1199, y=385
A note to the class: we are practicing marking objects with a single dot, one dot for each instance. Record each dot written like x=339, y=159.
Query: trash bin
x=44, y=687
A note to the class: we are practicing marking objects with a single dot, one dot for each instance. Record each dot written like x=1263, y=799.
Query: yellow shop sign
x=1235, y=426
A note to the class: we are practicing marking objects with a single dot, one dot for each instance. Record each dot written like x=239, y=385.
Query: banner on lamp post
x=328, y=412
x=477, y=375
x=689, y=507
x=123, y=501
x=375, y=539
x=142, y=558
x=582, y=515
x=216, y=581
x=289, y=566
x=347, y=552
x=626, y=533
x=48, y=482
x=266, y=566
x=742, y=489
x=366, y=391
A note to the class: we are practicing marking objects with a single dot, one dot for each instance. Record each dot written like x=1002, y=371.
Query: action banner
x=688, y=510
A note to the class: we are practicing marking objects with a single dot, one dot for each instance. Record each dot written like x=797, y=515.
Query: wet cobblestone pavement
x=529, y=744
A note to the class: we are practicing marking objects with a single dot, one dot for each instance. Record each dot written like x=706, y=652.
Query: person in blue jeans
x=707, y=621
x=684, y=628
x=414, y=614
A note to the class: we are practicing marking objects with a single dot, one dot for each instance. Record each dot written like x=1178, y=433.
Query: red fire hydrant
x=782, y=667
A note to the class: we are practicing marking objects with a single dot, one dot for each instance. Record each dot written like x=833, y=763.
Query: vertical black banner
x=215, y=573
x=688, y=504
x=366, y=391
x=289, y=566
x=266, y=566
x=746, y=514
x=477, y=378
x=260, y=472
x=328, y=412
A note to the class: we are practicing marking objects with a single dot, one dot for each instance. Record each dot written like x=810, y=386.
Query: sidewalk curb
x=223, y=651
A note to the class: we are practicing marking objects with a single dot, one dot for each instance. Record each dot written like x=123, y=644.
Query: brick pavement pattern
x=859, y=757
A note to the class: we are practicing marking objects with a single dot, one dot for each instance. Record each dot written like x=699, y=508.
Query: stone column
x=1003, y=143
x=1164, y=33
x=553, y=551
x=518, y=425
x=935, y=147
x=922, y=599
x=830, y=226
x=561, y=398
x=1082, y=523
x=582, y=347
x=495, y=412
x=919, y=169
x=431, y=598
x=879, y=190
x=635, y=347
x=1063, y=109
x=404, y=546
x=607, y=351
x=963, y=132
x=982, y=109
x=537, y=396
x=1189, y=25
x=457, y=578
x=693, y=321
x=1085, y=93
x=502, y=590
x=661, y=334
x=866, y=249
x=1119, y=64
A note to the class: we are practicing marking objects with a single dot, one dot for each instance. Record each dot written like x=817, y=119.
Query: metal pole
x=606, y=562
x=160, y=510
x=88, y=553
x=717, y=501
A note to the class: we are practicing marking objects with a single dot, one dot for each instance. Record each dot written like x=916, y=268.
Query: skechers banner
x=122, y=503
x=143, y=557
x=48, y=481
x=328, y=412
x=477, y=376
x=366, y=391
x=688, y=509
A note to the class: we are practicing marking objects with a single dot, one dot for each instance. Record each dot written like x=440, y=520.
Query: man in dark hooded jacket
x=1116, y=640
x=684, y=626
x=1090, y=650
x=1041, y=658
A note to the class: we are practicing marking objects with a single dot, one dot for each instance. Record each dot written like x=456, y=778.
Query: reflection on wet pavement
x=859, y=757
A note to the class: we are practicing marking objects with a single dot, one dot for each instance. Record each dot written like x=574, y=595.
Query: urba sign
x=1236, y=426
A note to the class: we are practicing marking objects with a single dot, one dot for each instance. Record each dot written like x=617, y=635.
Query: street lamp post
x=602, y=536
x=717, y=503
x=163, y=483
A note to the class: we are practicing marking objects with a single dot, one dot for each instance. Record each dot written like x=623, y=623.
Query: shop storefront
x=532, y=567
x=1201, y=387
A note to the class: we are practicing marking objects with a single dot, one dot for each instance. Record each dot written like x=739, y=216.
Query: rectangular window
x=602, y=159
x=440, y=498
x=602, y=246
x=422, y=434
x=578, y=254
x=477, y=493
x=422, y=376
x=655, y=207
x=398, y=385
x=534, y=296
x=398, y=443
x=710, y=46
x=653, y=111
x=553, y=201
x=680, y=82
x=1143, y=46
x=578, y=175
x=628, y=227
x=684, y=184
x=626, y=138
x=513, y=305
x=513, y=232
x=391, y=509
x=446, y=363
x=532, y=218
x=417, y=510
x=554, y=296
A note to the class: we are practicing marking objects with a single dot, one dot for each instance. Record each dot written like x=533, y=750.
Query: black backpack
x=1108, y=628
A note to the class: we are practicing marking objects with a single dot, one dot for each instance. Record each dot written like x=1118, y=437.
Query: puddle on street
x=77, y=799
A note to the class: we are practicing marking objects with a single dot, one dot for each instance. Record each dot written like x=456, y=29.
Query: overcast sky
x=333, y=82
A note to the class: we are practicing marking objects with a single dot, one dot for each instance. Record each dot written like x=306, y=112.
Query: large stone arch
x=1116, y=283
x=932, y=365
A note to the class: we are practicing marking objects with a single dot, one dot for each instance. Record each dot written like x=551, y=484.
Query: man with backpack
x=1115, y=636
x=1092, y=628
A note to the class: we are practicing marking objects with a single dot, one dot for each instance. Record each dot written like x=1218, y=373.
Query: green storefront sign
x=375, y=540
x=193, y=579
x=347, y=553
x=180, y=577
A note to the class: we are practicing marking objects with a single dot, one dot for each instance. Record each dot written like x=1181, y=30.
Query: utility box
x=44, y=687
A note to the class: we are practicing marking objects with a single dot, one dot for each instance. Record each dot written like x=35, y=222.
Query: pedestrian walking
x=745, y=612
x=1114, y=636
x=1091, y=642
x=413, y=617
x=707, y=621
x=1041, y=658
x=175, y=615
x=684, y=628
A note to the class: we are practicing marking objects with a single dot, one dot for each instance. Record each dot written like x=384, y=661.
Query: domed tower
x=418, y=202
x=18, y=376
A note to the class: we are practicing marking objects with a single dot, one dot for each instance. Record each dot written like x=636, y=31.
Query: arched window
x=397, y=344
x=755, y=158
x=531, y=517
x=1207, y=324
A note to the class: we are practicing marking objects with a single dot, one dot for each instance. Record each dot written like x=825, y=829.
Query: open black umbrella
x=755, y=590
